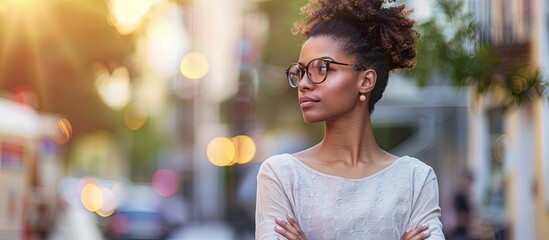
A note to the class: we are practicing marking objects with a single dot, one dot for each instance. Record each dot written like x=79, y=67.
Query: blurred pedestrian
x=347, y=186
x=462, y=207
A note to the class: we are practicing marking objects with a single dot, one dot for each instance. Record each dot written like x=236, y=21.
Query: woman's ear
x=368, y=80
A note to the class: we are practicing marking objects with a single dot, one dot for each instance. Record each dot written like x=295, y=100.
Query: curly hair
x=377, y=37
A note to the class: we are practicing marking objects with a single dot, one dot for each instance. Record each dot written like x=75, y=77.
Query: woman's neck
x=351, y=140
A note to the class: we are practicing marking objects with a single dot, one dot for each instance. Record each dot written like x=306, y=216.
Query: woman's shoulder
x=417, y=167
x=414, y=162
x=281, y=167
x=278, y=162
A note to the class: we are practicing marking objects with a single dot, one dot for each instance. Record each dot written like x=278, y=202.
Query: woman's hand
x=418, y=233
x=290, y=229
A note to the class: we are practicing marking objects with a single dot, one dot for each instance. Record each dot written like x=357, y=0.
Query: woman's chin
x=311, y=119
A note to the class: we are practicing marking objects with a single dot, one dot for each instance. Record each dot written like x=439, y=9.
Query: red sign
x=11, y=156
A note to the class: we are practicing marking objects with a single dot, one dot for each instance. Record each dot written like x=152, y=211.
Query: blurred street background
x=148, y=119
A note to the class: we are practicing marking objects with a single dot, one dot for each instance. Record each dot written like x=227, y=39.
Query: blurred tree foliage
x=277, y=98
x=50, y=49
x=450, y=46
x=282, y=47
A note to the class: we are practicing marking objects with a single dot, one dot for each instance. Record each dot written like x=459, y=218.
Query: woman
x=346, y=186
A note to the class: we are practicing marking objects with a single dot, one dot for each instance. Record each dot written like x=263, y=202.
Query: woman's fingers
x=288, y=235
x=289, y=229
x=286, y=229
x=418, y=233
x=293, y=222
x=422, y=235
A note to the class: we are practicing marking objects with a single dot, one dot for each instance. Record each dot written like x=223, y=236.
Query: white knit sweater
x=383, y=206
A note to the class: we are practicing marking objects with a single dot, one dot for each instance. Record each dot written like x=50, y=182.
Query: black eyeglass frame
x=305, y=69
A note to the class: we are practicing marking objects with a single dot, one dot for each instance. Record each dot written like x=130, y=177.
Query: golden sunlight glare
x=20, y=4
x=127, y=14
x=194, y=65
x=165, y=42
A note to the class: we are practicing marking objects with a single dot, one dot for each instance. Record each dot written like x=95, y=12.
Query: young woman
x=346, y=186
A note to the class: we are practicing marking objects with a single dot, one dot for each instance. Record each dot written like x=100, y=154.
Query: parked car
x=138, y=217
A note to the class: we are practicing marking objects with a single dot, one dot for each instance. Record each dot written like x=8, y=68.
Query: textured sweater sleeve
x=272, y=202
x=425, y=209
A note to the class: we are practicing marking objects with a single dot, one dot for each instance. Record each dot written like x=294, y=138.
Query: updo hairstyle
x=378, y=37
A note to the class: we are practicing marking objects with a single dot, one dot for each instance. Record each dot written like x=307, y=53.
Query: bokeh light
x=114, y=89
x=91, y=197
x=165, y=182
x=221, y=152
x=226, y=152
x=109, y=203
x=245, y=148
x=165, y=40
x=135, y=115
x=499, y=147
x=127, y=14
x=65, y=131
x=194, y=65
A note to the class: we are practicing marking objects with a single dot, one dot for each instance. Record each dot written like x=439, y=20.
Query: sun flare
x=20, y=4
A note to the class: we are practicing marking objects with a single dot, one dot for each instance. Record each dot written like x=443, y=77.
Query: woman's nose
x=305, y=83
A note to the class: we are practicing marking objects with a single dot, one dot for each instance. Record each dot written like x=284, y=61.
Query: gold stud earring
x=362, y=97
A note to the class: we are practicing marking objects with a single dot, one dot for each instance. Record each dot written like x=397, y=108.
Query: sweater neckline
x=310, y=169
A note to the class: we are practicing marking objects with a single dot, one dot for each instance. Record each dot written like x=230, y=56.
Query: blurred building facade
x=508, y=148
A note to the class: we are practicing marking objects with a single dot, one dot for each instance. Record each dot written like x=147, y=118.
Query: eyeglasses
x=317, y=71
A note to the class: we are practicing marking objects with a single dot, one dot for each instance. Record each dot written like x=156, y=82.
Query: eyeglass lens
x=316, y=71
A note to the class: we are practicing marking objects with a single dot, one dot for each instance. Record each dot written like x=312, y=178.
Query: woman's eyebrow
x=323, y=57
x=326, y=57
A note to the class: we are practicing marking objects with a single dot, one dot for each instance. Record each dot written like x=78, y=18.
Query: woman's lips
x=305, y=102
